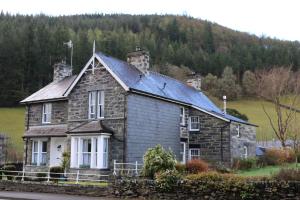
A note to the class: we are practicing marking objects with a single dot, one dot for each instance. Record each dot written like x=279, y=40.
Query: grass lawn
x=266, y=171
x=12, y=124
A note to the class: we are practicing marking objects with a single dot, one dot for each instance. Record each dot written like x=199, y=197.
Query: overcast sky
x=275, y=18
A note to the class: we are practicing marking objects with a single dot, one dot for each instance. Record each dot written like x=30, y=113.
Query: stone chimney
x=140, y=59
x=195, y=81
x=61, y=70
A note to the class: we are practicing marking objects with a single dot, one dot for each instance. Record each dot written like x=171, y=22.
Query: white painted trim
x=190, y=123
x=112, y=73
x=184, y=152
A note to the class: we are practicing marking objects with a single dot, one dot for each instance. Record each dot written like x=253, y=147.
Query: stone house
x=116, y=110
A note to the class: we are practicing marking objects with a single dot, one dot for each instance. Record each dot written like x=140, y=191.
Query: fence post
x=48, y=178
x=136, y=168
x=115, y=163
x=77, y=177
x=23, y=174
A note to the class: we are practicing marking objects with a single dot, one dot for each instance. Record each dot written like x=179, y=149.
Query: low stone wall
x=208, y=190
x=72, y=189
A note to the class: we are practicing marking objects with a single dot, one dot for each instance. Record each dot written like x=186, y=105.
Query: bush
x=55, y=173
x=244, y=163
x=288, y=175
x=9, y=175
x=41, y=177
x=158, y=159
x=181, y=168
x=277, y=157
x=196, y=166
x=237, y=114
x=166, y=181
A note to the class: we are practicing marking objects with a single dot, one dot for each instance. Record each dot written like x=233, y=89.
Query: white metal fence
x=127, y=169
x=119, y=169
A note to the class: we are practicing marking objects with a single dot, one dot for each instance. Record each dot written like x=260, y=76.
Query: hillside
x=30, y=45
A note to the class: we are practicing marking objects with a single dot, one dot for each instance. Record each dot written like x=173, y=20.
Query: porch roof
x=91, y=127
x=47, y=131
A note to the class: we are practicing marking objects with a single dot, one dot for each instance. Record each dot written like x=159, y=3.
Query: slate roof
x=47, y=130
x=52, y=91
x=163, y=86
x=91, y=127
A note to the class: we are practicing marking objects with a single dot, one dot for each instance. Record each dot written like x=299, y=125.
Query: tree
x=227, y=85
x=210, y=84
x=249, y=83
x=279, y=85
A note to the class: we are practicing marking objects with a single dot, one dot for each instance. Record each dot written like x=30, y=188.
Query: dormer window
x=96, y=104
x=47, y=109
x=182, y=116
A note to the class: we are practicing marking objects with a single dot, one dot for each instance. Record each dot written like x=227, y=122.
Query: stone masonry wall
x=208, y=138
x=247, y=137
x=59, y=113
x=114, y=102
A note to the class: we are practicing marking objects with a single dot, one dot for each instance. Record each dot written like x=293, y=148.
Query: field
x=12, y=119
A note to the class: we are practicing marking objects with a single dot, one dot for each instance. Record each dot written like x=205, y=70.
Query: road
x=5, y=195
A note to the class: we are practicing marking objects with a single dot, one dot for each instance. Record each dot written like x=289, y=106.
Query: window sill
x=193, y=130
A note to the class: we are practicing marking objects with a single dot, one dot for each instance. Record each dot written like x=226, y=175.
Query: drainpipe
x=124, y=127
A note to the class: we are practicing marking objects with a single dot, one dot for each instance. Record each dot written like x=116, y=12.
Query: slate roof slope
x=52, y=91
x=91, y=127
x=163, y=86
x=58, y=130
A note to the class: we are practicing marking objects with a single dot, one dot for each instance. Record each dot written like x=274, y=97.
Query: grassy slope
x=266, y=171
x=12, y=124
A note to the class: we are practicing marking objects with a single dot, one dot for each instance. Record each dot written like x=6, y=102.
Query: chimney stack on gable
x=194, y=81
x=61, y=70
x=140, y=59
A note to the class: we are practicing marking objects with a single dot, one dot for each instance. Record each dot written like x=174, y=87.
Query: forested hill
x=30, y=45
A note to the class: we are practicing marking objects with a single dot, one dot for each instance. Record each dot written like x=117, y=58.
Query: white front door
x=57, y=147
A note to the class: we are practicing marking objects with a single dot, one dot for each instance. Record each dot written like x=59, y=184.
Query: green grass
x=12, y=124
x=266, y=171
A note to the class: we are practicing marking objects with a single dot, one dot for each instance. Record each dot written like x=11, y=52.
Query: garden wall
x=209, y=190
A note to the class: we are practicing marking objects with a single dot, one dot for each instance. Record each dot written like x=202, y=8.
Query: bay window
x=194, y=123
x=96, y=104
x=46, y=115
x=39, y=152
x=89, y=151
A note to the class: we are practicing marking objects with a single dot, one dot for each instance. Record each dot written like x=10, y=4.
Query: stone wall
x=44, y=187
x=209, y=139
x=246, y=137
x=59, y=113
x=257, y=190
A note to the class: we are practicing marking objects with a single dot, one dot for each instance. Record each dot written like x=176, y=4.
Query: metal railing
x=127, y=169
x=52, y=176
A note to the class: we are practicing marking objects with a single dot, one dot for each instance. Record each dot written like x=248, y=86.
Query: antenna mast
x=70, y=46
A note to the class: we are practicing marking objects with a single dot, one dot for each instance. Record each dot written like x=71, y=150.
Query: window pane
x=44, y=147
x=105, y=152
x=35, y=146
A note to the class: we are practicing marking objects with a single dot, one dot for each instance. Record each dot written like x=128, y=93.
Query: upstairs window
x=96, y=104
x=182, y=116
x=194, y=123
x=47, y=108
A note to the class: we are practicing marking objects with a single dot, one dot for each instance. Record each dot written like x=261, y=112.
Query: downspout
x=26, y=151
x=124, y=127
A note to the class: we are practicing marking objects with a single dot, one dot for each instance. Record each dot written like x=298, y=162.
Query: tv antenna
x=70, y=46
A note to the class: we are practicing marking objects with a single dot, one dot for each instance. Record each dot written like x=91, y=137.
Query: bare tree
x=294, y=135
x=281, y=87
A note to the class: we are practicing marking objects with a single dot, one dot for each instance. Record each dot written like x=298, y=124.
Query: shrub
x=166, y=180
x=9, y=175
x=157, y=159
x=55, y=173
x=244, y=163
x=277, y=157
x=288, y=175
x=41, y=176
x=196, y=166
x=237, y=114
x=181, y=168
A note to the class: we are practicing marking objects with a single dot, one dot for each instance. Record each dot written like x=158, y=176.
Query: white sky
x=277, y=18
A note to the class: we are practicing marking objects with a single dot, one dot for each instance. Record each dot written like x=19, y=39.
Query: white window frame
x=39, y=153
x=245, y=152
x=194, y=156
x=182, y=116
x=183, y=153
x=238, y=129
x=96, y=104
x=46, y=113
x=98, y=155
x=190, y=123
